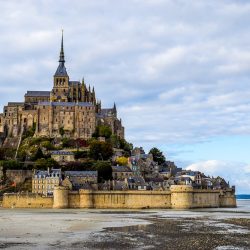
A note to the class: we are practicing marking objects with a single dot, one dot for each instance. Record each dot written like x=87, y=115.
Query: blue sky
x=178, y=70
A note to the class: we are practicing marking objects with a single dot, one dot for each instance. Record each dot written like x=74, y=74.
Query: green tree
x=102, y=131
x=61, y=131
x=41, y=163
x=38, y=155
x=51, y=163
x=157, y=155
x=100, y=150
x=48, y=145
x=11, y=164
x=104, y=170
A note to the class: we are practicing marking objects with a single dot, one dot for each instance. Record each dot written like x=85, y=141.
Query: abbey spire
x=61, y=59
x=61, y=70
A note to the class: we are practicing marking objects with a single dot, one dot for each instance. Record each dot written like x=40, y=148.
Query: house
x=121, y=172
x=119, y=185
x=183, y=180
x=195, y=176
x=207, y=182
x=43, y=182
x=62, y=156
x=136, y=183
x=79, y=179
x=155, y=183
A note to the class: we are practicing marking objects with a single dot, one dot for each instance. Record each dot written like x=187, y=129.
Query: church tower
x=60, y=92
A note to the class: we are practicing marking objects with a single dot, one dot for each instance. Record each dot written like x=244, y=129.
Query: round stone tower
x=61, y=197
x=181, y=196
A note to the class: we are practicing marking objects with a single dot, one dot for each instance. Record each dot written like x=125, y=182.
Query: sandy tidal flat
x=122, y=229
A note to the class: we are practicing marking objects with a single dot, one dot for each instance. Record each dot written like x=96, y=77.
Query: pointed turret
x=114, y=110
x=61, y=59
x=61, y=70
x=93, y=95
x=61, y=80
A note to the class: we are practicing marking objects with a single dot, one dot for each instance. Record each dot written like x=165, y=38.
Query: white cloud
x=177, y=74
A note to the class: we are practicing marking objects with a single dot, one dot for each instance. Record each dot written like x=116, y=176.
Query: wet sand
x=121, y=229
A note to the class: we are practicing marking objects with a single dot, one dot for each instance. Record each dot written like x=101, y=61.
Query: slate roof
x=61, y=70
x=137, y=180
x=62, y=153
x=66, y=104
x=15, y=103
x=107, y=112
x=38, y=93
x=44, y=173
x=81, y=173
x=74, y=82
x=121, y=169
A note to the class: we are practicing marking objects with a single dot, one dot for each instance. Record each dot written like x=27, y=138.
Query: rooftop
x=121, y=169
x=61, y=153
x=38, y=93
x=66, y=104
x=80, y=173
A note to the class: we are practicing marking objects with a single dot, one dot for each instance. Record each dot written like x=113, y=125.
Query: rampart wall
x=179, y=197
x=26, y=201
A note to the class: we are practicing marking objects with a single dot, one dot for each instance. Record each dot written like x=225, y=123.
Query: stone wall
x=125, y=199
x=27, y=201
x=179, y=197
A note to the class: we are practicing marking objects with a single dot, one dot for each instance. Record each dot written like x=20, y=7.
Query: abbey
x=70, y=109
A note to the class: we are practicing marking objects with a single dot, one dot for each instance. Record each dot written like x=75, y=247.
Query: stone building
x=43, y=182
x=121, y=172
x=62, y=156
x=78, y=179
x=70, y=109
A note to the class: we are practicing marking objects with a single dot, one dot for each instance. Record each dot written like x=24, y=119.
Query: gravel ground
x=184, y=233
x=219, y=229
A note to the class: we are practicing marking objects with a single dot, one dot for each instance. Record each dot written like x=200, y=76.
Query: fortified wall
x=179, y=197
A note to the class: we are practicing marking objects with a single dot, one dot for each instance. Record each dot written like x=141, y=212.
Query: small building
x=121, y=172
x=62, y=156
x=79, y=179
x=137, y=183
x=183, y=180
x=195, y=176
x=43, y=182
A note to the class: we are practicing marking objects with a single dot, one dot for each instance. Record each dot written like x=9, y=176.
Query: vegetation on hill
x=122, y=161
x=100, y=150
x=102, y=131
x=157, y=155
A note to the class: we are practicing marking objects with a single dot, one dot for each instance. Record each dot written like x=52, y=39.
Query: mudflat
x=126, y=229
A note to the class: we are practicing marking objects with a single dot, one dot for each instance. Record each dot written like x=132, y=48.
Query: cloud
x=179, y=72
x=235, y=172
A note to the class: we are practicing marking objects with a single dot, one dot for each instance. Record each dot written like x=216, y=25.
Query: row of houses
x=43, y=182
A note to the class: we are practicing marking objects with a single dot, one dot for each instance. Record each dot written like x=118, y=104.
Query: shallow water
x=79, y=228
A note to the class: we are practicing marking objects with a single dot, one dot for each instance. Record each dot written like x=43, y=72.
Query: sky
x=178, y=70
